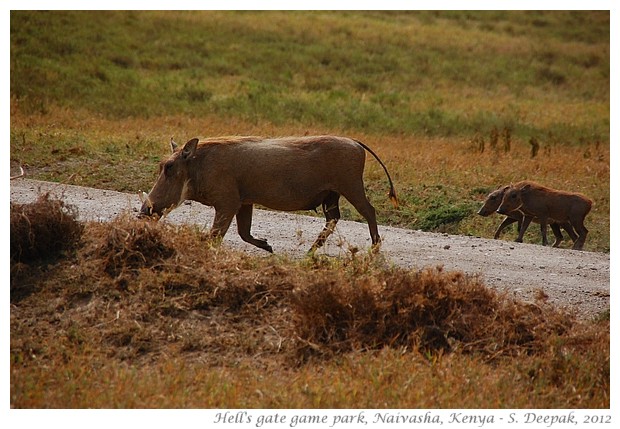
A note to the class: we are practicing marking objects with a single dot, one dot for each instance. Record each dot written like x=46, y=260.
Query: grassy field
x=95, y=104
x=451, y=101
x=140, y=314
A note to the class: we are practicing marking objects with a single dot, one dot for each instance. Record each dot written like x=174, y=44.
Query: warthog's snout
x=483, y=211
x=147, y=206
x=145, y=212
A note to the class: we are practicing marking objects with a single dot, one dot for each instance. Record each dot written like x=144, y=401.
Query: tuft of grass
x=43, y=230
x=429, y=311
x=204, y=326
x=131, y=245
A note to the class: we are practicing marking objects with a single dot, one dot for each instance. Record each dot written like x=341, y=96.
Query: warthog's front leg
x=503, y=225
x=543, y=231
x=221, y=221
x=244, y=224
x=524, y=225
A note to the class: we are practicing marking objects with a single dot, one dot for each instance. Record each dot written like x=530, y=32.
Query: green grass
x=96, y=96
x=422, y=73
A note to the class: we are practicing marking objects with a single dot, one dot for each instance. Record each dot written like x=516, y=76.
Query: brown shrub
x=428, y=310
x=139, y=290
x=43, y=230
x=131, y=243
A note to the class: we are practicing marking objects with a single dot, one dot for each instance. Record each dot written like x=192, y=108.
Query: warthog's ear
x=173, y=145
x=526, y=188
x=189, y=150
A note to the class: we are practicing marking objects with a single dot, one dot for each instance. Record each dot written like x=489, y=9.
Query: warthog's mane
x=229, y=140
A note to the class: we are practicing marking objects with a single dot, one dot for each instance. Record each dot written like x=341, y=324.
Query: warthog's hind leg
x=363, y=206
x=332, y=214
x=557, y=233
x=583, y=233
x=568, y=227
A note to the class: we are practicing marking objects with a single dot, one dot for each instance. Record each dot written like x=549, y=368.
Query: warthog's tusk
x=148, y=200
x=144, y=199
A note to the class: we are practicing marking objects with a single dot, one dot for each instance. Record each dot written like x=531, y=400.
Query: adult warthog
x=295, y=173
x=547, y=205
x=492, y=203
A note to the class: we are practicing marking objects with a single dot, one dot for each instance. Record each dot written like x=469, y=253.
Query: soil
x=578, y=281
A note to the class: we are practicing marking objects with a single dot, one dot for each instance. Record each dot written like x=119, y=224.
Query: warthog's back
x=559, y=205
x=255, y=152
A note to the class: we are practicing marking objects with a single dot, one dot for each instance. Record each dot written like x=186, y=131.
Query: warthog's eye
x=168, y=168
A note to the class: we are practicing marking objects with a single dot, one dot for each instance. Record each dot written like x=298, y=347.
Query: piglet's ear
x=189, y=150
x=173, y=145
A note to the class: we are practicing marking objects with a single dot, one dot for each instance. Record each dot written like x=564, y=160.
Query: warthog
x=547, y=205
x=294, y=173
x=492, y=203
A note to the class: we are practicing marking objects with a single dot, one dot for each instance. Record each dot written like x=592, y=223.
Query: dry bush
x=41, y=233
x=43, y=229
x=130, y=243
x=428, y=310
x=175, y=297
x=153, y=289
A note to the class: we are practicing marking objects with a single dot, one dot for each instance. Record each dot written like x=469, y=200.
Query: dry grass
x=41, y=233
x=430, y=311
x=434, y=177
x=160, y=312
x=43, y=229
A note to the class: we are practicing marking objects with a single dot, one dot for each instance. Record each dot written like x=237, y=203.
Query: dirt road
x=572, y=279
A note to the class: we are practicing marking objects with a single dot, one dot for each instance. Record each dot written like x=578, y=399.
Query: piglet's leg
x=503, y=225
x=543, y=231
x=557, y=233
x=526, y=223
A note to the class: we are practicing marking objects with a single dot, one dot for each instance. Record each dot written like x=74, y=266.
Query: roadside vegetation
x=455, y=103
x=143, y=314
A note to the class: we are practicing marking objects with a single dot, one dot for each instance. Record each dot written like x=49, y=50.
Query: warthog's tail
x=392, y=193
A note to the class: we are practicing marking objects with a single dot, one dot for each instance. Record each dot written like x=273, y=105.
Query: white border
x=206, y=418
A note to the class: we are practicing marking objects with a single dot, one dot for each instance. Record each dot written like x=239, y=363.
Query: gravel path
x=572, y=279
